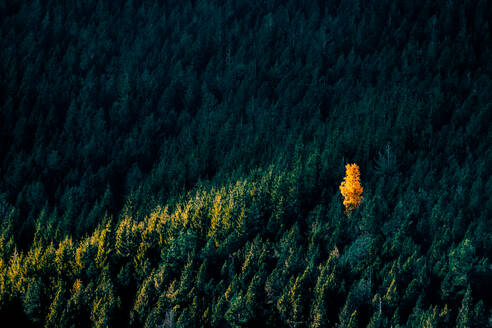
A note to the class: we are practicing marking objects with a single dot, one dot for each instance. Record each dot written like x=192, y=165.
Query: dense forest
x=180, y=163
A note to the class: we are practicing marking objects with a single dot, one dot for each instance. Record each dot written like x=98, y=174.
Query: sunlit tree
x=351, y=188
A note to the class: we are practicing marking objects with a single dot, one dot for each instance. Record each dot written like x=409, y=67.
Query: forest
x=236, y=163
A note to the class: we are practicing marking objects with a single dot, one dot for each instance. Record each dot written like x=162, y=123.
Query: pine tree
x=464, y=315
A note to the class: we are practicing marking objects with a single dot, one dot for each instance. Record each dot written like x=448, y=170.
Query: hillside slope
x=178, y=163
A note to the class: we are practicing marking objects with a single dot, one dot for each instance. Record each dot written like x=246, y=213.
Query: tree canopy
x=178, y=163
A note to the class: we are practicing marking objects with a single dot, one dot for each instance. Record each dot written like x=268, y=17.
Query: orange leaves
x=350, y=188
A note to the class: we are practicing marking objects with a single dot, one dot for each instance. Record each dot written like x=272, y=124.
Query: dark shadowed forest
x=180, y=163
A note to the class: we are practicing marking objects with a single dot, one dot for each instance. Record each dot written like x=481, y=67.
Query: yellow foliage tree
x=350, y=188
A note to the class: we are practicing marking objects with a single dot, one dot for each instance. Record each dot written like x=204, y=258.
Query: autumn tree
x=351, y=188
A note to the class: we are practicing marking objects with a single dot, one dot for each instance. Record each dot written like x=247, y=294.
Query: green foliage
x=461, y=260
x=177, y=164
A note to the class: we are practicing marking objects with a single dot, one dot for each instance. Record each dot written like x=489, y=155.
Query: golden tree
x=350, y=188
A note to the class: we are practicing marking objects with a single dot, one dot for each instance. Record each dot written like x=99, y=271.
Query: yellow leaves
x=335, y=253
x=52, y=319
x=248, y=258
x=81, y=254
x=444, y=312
x=77, y=286
x=351, y=188
x=220, y=214
x=33, y=259
x=3, y=282
x=227, y=293
x=391, y=293
x=181, y=215
x=103, y=248
x=15, y=272
x=316, y=323
x=215, y=215
x=172, y=291
x=353, y=319
x=143, y=296
x=63, y=256
x=124, y=237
